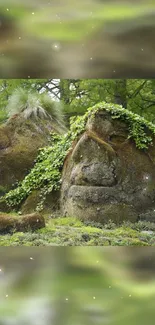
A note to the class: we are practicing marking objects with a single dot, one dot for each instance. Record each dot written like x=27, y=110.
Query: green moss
x=91, y=230
x=46, y=174
x=71, y=232
x=67, y=221
x=49, y=230
x=125, y=232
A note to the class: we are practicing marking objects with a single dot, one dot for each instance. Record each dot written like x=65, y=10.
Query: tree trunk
x=120, y=97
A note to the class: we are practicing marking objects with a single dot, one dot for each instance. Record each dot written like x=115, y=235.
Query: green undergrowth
x=46, y=173
x=72, y=232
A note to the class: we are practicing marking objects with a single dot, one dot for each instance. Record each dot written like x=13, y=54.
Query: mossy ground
x=72, y=232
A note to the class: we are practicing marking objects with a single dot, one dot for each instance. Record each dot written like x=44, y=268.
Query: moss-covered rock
x=20, y=140
x=106, y=176
x=108, y=158
x=50, y=205
x=29, y=222
x=31, y=202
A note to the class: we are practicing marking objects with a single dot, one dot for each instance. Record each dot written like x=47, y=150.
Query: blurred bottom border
x=77, y=285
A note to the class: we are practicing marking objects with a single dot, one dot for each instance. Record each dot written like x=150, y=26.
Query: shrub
x=30, y=103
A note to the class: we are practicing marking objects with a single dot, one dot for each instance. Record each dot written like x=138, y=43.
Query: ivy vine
x=46, y=174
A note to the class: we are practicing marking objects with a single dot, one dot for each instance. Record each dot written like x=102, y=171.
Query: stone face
x=106, y=177
x=19, y=143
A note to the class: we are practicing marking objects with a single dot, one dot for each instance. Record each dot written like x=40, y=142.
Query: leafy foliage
x=77, y=95
x=137, y=95
x=46, y=174
x=139, y=128
x=8, y=86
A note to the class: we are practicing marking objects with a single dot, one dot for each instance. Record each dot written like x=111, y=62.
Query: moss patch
x=72, y=232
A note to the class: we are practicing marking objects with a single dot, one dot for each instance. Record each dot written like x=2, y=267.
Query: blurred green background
x=76, y=39
x=71, y=20
x=65, y=285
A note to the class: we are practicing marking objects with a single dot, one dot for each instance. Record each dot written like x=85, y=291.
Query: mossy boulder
x=31, y=202
x=20, y=140
x=29, y=222
x=105, y=175
x=50, y=205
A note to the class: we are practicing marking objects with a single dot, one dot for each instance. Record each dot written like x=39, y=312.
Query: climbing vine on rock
x=46, y=174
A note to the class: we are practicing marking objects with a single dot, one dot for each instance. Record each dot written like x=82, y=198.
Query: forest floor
x=72, y=232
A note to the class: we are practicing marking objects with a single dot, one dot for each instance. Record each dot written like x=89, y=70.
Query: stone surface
x=106, y=177
x=51, y=202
